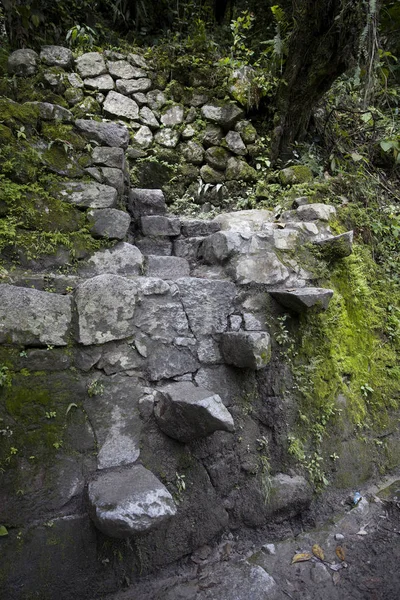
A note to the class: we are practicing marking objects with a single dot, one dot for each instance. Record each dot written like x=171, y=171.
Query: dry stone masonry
x=137, y=371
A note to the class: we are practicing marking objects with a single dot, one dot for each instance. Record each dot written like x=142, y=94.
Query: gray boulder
x=217, y=157
x=114, y=178
x=109, y=157
x=140, y=98
x=213, y=134
x=133, y=86
x=166, y=361
x=193, y=153
x=23, y=62
x=239, y=170
x=156, y=99
x=246, y=349
x=89, y=195
x=147, y=117
x=29, y=316
x=338, y=246
x=301, y=299
x=106, y=307
x=91, y=64
x=247, y=131
x=107, y=134
x=199, y=227
x=186, y=412
x=158, y=225
x=234, y=142
x=245, y=221
x=127, y=502
x=143, y=202
x=118, y=105
x=312, y=212
x=52, y=112
x=207, y=304
x=262, y=268
x=122, y=259
x=57, y=56
x=160, y=316
x=173, y=116
x=167, y=137
x=137, y=60
x=143, y=137
x=220, y=246
x=210, y=175
x=103, y=83
x=225, y=115
x=289, y=495
x=167, y=267
x=122, y=69
x=109, y=223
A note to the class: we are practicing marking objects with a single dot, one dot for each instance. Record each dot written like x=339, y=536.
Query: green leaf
x=356, y=157
x=3, y=531
x=386, y=145
x=366, y=117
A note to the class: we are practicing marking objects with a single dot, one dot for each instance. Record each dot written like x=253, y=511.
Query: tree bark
x=322, y=46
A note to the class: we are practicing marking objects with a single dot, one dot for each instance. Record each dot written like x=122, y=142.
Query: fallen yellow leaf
x=301, y=557
x=318, y=552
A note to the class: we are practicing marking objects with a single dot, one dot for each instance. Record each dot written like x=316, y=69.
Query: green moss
x=295, y=174
x=59, y=131
x=6, y=135
x=13, y=113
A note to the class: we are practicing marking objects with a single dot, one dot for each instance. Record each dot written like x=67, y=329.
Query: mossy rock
x=151, y=174
x=6, y=135
x=20, y=161
x=14, y=114
x=60, y=160
x=59, y=132
x=88, y=106
x=295, y=174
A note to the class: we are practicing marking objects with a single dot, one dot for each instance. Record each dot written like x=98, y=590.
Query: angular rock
x=137, y=60
x=125, y=503
x=167, y=361
x=173, y=116
x=156, y=99
x=264, y=268
x=133, y=86
x=52, y=112
x=161, y=317
x=106, y=307
x=208, y=352
x=118, y=105
x=193, y=153
x=220, y=246
x=312, y=212
x=157, y=225
x=199, y=227
x=108, y=134
x=247, y=131
x=210, y=175
x=245, y=221
x=109, y=223
x=143, y=137
x=122, y=69
x=91, y=64
x=289, y=495
x=143, y=202
x=188, y=248
x=161, y=246
x=207, y=304
x=114, y=178
x=29, y=316
x=212, y=135
x=217, y=157
x=103, y=83
x=109, y=157
x=301, y=299
x=140, y=98
x=57, y=56
x=225, y=115
x=23, y=62
x=338, y=246
x=167, y=267
x=186, y=412
x=122, y=259
x=75, y=80
x=89, y=195
x=188, y=132
x=147, y=117
x=117, y=357
x=73, y=96
x=240, y=170
x=88, y=107
x=235, y=144
x=167, y=137
x=246, y=349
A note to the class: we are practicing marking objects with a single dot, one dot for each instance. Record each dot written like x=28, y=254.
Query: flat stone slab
x=124, y=503
x=103, y=83
x=89, y=195
x=244, y=220
x=156, y=225
x=225, y=115
x=109, y=223
x=107, y=134
x=122, y=259
x=246, y=349
x=109, y=157
x=29, y=316
x=91, y=64
x=106, y=306
x=338, y=246
x=118, y=105
x=167, y=267
x=301, y=299
x=264, y=267
x=186, y=412
x=144, y=202
x=313, y=212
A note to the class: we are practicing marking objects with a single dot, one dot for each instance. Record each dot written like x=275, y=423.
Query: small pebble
x=269, y=548
x=339, y=537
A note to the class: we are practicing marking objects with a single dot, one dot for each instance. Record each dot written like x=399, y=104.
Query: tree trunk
x=322, y=45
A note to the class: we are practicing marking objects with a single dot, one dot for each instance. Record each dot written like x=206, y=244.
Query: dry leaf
x=302, y=557
x=340, y=552
x=318, y=552
x=336, y=578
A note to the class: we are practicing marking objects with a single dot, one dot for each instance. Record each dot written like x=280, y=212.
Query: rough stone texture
x=57, y=56
x=212, y=135
x=103, y=83
x=114, y=178
x=122, y=259
x=109, y=223
x=91, y=64
x=289, y=495
x=217, y=157
x=199, y=227
x=23, y=62
x=166, y=362
x=156, y=99
x=235, y=143
x=137, y=60
x=207, y=304
x=162, y=246
x=144, y=202
x=167, y=267
x=247, y=131
x=266, y=268
x=220, y=246
x=30, y=316
x=246, y=350
x=140, y=98
x=133, y=86
x=75, y=80
x=167, y=137
x=239, y=169
x=108, y=134
x=312, y=212
x=106, y=306
x=186, y=412
x=301, y=299
x=226, y=115
x=122, y=69
x=118, y=105
x=156, y=225
x=173, y=116
x=109, y=157
x=147, y=117
x=161, y=315
x=89, y=195
x=188, y=132
x=124, y=503
x=143, y=137
x=117, y=357
x=228, y=382
x=338, y=246
x=114, y=417
x=210, y=175
x=52, y=112
x=193, y=153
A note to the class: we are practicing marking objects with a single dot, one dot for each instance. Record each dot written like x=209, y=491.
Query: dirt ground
x=359, y=558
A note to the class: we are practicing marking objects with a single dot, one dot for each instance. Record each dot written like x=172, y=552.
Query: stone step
x=302, y=299
x=166, y=267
